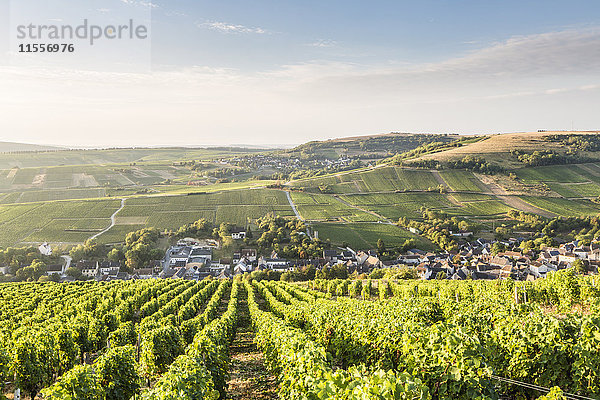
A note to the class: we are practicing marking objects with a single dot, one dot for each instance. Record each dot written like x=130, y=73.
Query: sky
x=279, y=73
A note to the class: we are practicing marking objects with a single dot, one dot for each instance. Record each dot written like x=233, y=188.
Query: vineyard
x=337, y=339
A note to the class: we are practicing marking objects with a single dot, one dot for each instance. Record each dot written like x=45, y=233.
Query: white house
x=238, y=233
x=45, y=249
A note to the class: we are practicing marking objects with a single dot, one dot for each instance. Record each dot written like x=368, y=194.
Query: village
x=478, y=259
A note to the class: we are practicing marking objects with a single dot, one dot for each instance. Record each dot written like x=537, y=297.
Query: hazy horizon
x=282, y=73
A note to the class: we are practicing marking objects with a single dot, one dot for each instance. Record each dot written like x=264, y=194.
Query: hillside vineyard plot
x=384, y=179
x=236, y=207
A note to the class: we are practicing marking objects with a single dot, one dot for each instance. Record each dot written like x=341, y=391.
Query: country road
x=112, y=220
x=68, y=260
x=293, y=206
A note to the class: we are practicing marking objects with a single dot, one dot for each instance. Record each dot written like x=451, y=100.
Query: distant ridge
x=13, y=147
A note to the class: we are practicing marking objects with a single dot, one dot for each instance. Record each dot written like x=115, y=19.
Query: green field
x=564, y=207
x=396, y=205
x=54, y=221
x=551, y=173
x=460, y=180
x=384, y=179
x=237, y=207
x=365, y=235
x=575, y=190
x=321, y=207
x=75, y=221
x=114, y=156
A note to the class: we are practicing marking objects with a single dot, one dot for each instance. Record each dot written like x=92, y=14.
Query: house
x=180, y=273
x=348, y=255
x=567, y=258
x=167, y=273
x=143, y=273
x=54, y=269
x=88, y=268
x=276, y=264
x=238, y=233
x=249, y=254
x=242, y=268
x=224, y=275
x=330, y=255
x=461, y=274
x=156, y=265
x=500, y=262
x=201, y=252
x=45, y=249
x=409, y=259
x=179, y=255
x=106, y=267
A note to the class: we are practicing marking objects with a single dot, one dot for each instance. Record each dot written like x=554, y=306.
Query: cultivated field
x=384, y=179
x=365, y=235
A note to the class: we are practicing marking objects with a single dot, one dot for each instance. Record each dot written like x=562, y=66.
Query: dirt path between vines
x=249, y=376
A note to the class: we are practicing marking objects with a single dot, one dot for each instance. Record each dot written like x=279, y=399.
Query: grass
x=365, y=235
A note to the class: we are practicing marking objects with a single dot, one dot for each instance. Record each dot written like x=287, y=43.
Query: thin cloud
x=323, y=43
x=225, y=27
x=141, y=3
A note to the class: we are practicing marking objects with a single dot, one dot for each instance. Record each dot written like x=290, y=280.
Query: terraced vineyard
x=167, y=339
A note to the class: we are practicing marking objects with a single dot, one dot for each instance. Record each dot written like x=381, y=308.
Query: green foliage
x=547, y=157
x=159, y=348
x=33, y=362
x=117, y=374
x=304, y=371
x=80, y=383
x=186, y=380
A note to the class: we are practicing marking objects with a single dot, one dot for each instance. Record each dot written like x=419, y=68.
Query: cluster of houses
x=189, y=259
x=258, y=161
x=475, y=260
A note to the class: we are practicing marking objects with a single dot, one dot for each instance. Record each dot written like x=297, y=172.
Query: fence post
x=17, y=394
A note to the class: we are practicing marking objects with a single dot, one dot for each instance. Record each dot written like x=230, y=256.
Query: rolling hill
x=13, y=147
x=497, y=148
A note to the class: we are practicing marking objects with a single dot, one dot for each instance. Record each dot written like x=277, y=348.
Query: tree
x=74, y=273
x=116, y=255
x=579, y=266
x=380, y=246
x=33, y=271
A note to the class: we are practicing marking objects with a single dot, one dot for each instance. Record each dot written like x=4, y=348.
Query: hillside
x=368, y=147
x=497, y=148
x=13, y=147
